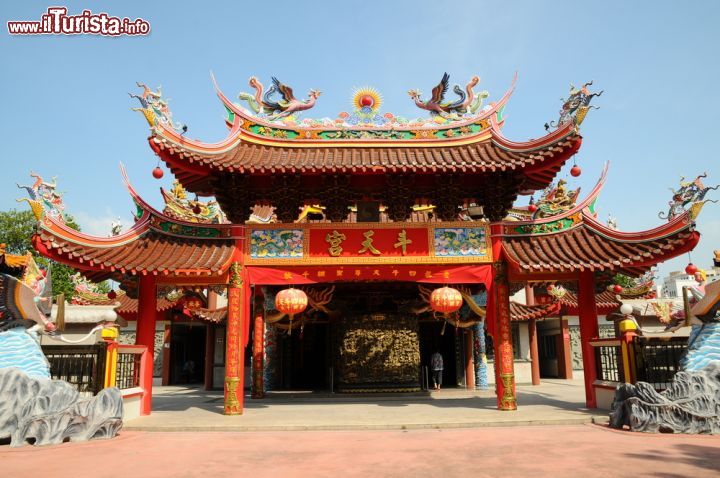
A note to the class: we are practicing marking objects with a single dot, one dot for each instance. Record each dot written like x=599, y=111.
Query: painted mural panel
x=276, y=243
x=461, y=242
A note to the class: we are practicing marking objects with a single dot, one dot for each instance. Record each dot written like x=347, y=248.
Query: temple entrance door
x=432, y=339
x=304, y=362
x=187, y=354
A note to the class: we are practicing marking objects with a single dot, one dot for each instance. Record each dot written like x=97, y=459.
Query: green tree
x=16, y=230
x=624, y=281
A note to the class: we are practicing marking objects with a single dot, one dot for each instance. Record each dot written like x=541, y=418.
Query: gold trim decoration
x=430, y=259
x=235, y=275
x=380, y=390
x=508, y=402
x=232, y=404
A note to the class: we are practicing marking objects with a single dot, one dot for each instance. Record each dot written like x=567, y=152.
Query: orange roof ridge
x=584, y=207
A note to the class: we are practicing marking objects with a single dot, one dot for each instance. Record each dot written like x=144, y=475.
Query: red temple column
x=258, y=351
x=209, y=356
x=534, y=356
x=167, y=341
x=564, y=355
x=145, y=335
x=532, y=332
x=504, y=357
x=588, y=331
x=234, y=356
x=469, y=362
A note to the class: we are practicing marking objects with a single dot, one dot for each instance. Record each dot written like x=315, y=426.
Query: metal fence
x=80, y=365
x=608, y=360
x=127, y=373
x=658, y=359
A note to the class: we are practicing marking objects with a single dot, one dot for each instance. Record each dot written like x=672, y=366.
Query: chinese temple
x=381, y=225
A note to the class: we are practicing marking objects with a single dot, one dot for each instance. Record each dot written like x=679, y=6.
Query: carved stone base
x=690, y=405
x=44, y=411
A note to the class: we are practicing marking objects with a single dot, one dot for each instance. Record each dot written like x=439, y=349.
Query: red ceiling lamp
x=196, y=209
x=532, y=207
x=445, y=300
x=291, y=301
x=575, y=171
x=158, y=173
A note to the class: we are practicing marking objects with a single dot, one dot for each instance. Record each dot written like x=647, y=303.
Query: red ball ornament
x=575, y=171
x=291, y=301
x=446, y=300
x=157, y=172
x=690, y=269
x=532, y=208
x=366, y=100
x=196, y=209
x=617, y=288
x=112, y=295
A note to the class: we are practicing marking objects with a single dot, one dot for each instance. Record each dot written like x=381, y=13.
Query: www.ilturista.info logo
x=57, y=22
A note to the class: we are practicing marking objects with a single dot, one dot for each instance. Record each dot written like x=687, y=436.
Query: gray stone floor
x=554, y=402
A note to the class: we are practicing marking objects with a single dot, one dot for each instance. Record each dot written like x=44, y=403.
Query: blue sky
x=66, y=113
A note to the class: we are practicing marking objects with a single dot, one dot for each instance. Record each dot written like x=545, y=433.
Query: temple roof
x=471, y=144
x=155, y=244
x=215, y=316
x=522, y=312
x=588, y=246
x=576, y=241
x=607, y=300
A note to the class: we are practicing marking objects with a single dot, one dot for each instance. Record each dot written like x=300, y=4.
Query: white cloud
x=99, y=224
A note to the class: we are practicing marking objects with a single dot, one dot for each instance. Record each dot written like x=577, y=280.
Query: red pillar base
x=145, y=335
x=588, y=331
x=258, y=384
x=234, y=356
x=504, y=357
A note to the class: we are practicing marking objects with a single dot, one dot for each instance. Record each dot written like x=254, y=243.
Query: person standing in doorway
x=436, y=365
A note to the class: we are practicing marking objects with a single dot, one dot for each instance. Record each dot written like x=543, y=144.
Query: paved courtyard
x=519, y=451
x=446, y=434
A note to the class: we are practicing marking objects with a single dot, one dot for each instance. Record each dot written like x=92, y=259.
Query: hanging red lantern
x=617, y=288
x=532, y=208
x=112, y=295
x=575, y=171
x=291, y=301
x=445, y=300
x=157, y=172
x=691, y=269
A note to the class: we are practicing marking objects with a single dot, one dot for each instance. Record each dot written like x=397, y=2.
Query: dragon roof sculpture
x=178, y=206
x=690, y=197
x=44, y=198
